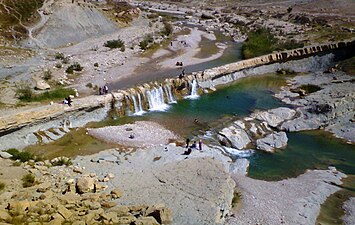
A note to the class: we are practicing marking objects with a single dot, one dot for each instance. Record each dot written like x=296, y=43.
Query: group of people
x=193, y=146
x=179, y=64
x=103, y=90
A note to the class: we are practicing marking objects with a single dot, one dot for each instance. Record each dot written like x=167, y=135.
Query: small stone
x=108, y=204
x=5, y=155
x=64, y=212
x=116, y=193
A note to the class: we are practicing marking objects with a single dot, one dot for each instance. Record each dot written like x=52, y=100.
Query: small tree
x=74, y=67
x=168, y=29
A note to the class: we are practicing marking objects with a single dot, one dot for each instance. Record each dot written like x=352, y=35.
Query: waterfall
x=169, y=95
x=193, y=94
x=128, y=108
x=156, y=99
x=138, y=109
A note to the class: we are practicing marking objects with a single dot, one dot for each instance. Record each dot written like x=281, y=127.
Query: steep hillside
x=72, y=23
x=14, y=16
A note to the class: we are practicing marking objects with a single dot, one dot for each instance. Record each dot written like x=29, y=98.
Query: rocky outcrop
x=53, y=199
x=275, y=117
x=275, y=140
x=233, y=136
x=196, y=187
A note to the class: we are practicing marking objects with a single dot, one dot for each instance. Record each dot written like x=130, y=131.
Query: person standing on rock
x=187, y=142
x=200, y=145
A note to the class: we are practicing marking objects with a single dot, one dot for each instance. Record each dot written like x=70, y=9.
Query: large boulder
x=274, y=117
x=233, y=137
x=42, y=85
x=272, y=141
x=85, y=184
x=5, y=155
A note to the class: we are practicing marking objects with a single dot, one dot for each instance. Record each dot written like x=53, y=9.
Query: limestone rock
x=274, y=117
x=4, y=215
x=42, y=85
x=85, y=184
x=116, y=193
x=5, y=155
x=272, y=141
x=65, y=213
x=146, y=221
x=234, y=137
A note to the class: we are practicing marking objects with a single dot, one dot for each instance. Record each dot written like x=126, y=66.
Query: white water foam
x=156, y=100
x=239, y=153
x=193, y=94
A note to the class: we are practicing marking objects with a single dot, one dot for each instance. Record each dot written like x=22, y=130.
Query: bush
x=28, y=180
x=62, y=161
x=2, y=186
x=259, y=42
x=24, y=92
x=74, y=67
x=47, y=75
x=59, y=93
x=168, y=29
x=18, y=155
x=59, y=55
x=96, y=64
x=146, y=41
x=114, y=44
x=89, y=85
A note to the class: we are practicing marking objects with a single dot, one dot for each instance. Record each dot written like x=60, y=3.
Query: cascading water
x=168, y=93
x=156, y=99
x=138, y=108
x=193, y=94
x=128, y=109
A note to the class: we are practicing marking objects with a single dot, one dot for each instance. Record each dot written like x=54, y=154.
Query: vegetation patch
x=144, y=44
x=61, y=161
x=114, y=43
x=22, y=156
x=74, y=67
x=25, y=93
x=167, y=30
x=28, y=180
x=262, y=42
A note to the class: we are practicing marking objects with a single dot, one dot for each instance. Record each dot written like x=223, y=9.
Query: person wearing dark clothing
x=187, y=152
x=200, y=145
x=187, y=142
x=194, y=145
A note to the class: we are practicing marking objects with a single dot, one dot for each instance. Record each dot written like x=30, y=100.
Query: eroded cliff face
x=36, y=125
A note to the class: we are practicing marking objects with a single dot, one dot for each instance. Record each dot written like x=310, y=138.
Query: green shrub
x=47, y=75
x=2, y=186
x=59, y=93
x=74, y=67
x=89, y=85
x=114, y=44
x=23, y=156
x=62, y=161
x=28, y=180
x=168, y=29
x=59, y=55
x=24, y=92
x=144, y=44
x=96, y=64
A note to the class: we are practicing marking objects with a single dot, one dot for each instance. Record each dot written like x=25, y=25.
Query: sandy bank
x=139, y=134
